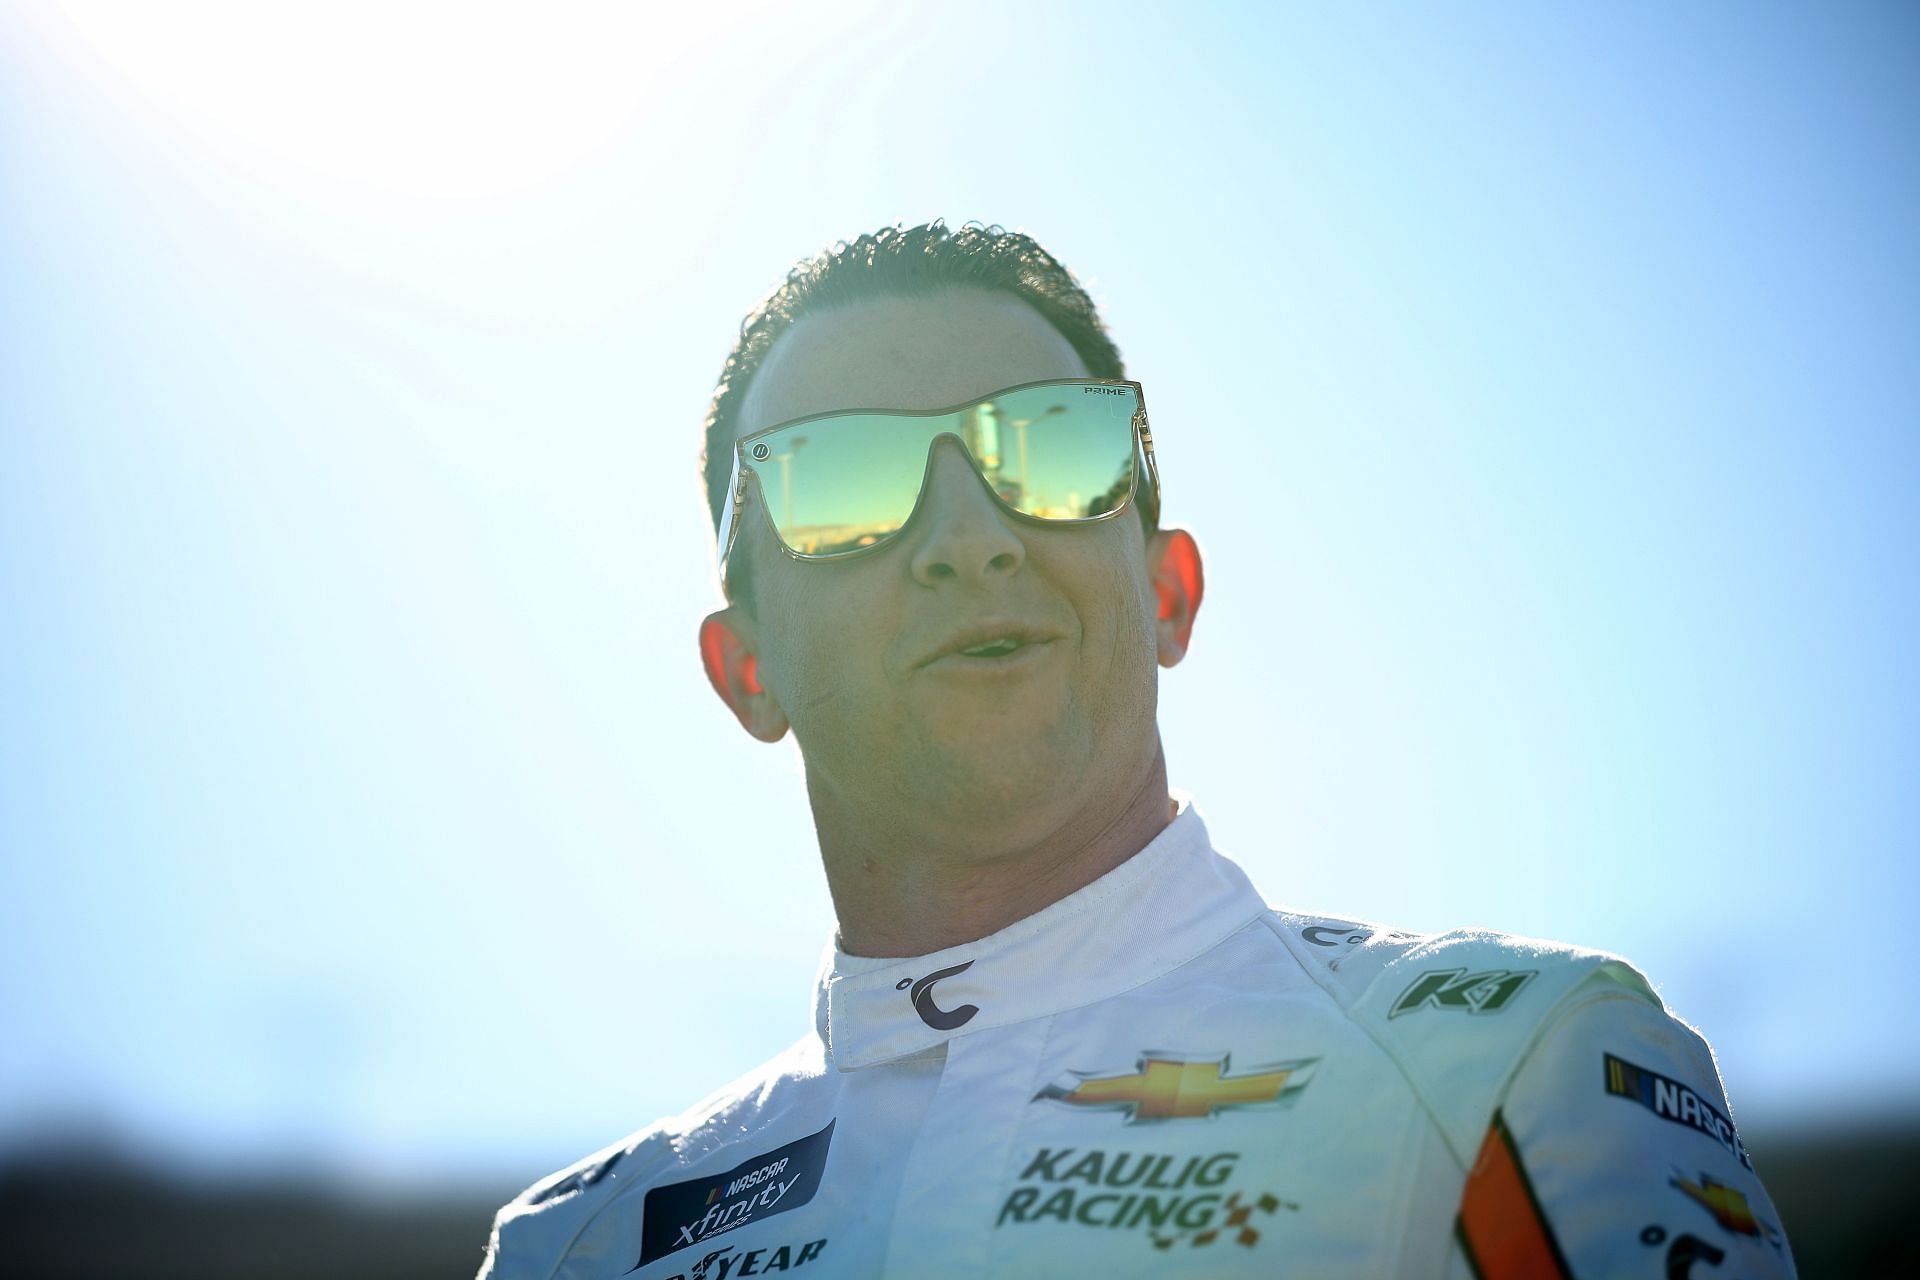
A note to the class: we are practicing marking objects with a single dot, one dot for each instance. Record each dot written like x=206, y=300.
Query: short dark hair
x=896, y=262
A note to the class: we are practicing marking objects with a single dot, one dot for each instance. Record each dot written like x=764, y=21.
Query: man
x=1056, y=1033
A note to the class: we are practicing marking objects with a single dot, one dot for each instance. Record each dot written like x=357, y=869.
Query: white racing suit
x=1161, y=1076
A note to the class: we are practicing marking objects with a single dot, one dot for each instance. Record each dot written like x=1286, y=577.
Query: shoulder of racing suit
x=1457, y=1012
x=536, y=1230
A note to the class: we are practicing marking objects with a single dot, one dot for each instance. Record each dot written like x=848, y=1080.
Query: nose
x=964, y=536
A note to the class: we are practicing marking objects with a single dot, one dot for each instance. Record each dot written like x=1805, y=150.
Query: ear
x=1180, y=583
x=726, y=650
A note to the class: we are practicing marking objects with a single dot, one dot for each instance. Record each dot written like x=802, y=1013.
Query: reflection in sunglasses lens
x=1057, y=452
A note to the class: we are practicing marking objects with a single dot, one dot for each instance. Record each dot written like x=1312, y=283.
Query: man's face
x=858, y=655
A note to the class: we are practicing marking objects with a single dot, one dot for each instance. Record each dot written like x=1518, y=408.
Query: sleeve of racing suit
x=1613, y=1153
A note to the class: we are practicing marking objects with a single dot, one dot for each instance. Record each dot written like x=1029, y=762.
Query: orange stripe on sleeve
x=1501, y=1227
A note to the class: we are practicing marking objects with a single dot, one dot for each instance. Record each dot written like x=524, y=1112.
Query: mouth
x=989, y=643
x=993, y=648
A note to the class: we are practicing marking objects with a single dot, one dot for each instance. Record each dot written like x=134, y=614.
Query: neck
x=905, y=885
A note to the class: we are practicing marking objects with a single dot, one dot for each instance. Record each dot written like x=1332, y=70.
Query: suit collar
x=1168, y=903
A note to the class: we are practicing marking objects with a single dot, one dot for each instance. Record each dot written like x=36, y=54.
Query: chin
x=1010, y=767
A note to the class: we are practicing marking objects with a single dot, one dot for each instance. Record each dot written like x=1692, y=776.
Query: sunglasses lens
x=835, y=485
x=1061, y=451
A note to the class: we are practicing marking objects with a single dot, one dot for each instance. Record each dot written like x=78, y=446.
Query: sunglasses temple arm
x=730, y=515
x=1153, y=465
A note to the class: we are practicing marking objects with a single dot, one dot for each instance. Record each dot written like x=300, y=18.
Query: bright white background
x=1540, y=381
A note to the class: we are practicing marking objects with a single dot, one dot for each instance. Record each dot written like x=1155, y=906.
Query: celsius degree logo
x=1325, y=935
x=933, y=1015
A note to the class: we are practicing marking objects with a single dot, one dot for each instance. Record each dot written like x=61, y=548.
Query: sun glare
x=398, y=105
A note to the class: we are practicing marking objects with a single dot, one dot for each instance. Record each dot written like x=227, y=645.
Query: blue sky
x=1540, y=384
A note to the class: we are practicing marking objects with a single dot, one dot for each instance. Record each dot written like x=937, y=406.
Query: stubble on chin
x=974, y=771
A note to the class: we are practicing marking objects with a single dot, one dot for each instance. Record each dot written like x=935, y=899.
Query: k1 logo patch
x=1486, y=992
x=683, y=1214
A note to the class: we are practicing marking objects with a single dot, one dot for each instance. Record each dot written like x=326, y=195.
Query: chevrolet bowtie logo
x=1170, y=1086
x=1729, y=1208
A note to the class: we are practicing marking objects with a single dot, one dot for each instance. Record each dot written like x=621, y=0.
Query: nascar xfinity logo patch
x=683, y=1214
x=1673, y=1102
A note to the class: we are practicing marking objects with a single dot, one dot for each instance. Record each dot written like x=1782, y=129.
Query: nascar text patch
x=1673, y=1102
